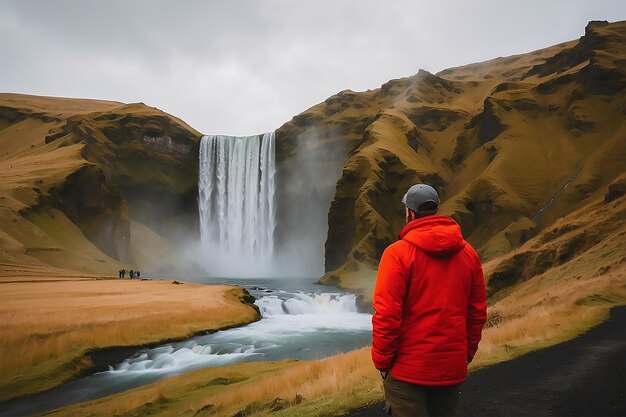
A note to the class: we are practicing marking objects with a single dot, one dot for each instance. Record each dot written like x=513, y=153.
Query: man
x=429, y=311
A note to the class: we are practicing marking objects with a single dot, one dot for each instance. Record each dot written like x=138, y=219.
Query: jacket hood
x=439, y=236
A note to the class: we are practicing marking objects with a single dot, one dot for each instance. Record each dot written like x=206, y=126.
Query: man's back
x=429, y=304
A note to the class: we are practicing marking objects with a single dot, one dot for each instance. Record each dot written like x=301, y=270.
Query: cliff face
x=511, y=145
x=150, y=156
x=121, y=177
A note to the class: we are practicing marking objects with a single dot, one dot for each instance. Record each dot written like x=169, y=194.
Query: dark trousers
x=403, y=399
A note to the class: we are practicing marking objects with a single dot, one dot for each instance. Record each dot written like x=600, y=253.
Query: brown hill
x=90, y=186
x=511, y=144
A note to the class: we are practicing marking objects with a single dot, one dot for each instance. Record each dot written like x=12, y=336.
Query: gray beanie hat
x=418, y=195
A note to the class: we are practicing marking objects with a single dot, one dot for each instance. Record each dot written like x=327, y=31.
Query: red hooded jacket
x=429, y=304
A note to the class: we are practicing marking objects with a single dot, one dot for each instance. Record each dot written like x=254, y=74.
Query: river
x=300, y=320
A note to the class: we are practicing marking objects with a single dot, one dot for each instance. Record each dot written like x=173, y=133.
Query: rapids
x=304, y=323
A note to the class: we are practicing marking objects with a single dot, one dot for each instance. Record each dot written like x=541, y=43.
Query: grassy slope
x=45, y=141
x=500, y=140
x=29, y=167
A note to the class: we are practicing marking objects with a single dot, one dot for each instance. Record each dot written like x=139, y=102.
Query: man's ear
x=409, y=215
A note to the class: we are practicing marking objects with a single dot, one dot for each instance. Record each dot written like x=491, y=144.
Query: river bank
x=58, y=327
x=332, y=386
x=583, y=377
x=338, y=384
x=303, y=322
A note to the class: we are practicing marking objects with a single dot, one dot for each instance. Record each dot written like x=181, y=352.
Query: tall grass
x=47, y=327
x=534, y=316
x=344, y=373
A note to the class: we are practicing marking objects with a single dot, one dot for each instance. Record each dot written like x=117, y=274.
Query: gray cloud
x=244, y=67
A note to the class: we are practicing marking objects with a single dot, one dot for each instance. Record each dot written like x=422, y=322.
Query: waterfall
x=236, y=204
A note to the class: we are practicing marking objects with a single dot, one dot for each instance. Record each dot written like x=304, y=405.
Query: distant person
x=123, y=273
x=119, y=274
x=132, y=274
x=138, y=274
x=429, y=311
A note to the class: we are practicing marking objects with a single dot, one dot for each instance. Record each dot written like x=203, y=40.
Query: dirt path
x=583, y=377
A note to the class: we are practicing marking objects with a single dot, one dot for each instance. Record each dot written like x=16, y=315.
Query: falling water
x=236, y=202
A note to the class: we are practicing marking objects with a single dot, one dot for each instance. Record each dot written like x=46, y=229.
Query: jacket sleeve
x=476, y=310
x=388, y=299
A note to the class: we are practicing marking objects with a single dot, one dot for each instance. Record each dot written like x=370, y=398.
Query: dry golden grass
x=350, y=374
x=56, y=105
x=567, y=299
x=548, y=315
x=53, y=324
x=532, y=317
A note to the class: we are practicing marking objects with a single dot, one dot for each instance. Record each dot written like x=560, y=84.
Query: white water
x=294, y=325
x=237, y=188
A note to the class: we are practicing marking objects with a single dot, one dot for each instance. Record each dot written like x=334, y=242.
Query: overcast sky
x=246, y=67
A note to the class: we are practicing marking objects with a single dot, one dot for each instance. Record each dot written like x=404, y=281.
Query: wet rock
x=248, y=299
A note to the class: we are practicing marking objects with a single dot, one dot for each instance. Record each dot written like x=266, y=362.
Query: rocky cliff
x=121, y=176
x=511, y=145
